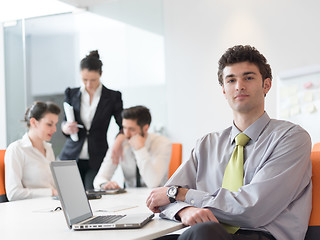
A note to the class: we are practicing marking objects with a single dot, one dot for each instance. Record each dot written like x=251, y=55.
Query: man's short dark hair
x=139, y=113
x=240, y=53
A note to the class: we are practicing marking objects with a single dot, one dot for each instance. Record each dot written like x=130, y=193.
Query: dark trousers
x=87, y=174
x=215, y=231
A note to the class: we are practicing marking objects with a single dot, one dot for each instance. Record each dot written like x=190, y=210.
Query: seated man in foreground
x=145, y=156
x=249, y=181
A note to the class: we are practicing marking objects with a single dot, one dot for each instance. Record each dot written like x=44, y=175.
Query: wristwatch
x=172, y=193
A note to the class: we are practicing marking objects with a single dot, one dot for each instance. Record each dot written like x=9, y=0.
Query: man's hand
x=137, y=141
x=116, y=151
x=157, y=198
x=110, y=185
x=70, y=128
x=54, y=192
x=191, y=215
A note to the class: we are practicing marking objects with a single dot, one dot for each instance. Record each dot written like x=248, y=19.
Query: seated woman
x=27, y=160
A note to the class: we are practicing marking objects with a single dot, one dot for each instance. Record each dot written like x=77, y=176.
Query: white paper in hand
x=70, y=118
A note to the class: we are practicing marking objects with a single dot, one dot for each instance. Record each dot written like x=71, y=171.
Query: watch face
x=172, y=191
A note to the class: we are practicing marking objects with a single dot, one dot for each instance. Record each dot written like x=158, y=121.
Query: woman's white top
x=27, y=170
x=87, y=112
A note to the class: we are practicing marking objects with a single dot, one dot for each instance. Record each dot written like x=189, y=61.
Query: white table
x=32, y=219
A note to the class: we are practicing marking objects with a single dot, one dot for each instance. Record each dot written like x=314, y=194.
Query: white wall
x=197, y=32
x=143, y=14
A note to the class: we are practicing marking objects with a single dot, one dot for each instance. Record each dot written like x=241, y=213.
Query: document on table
x=68, y=109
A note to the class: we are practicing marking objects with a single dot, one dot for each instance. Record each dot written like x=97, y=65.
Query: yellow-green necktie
x=233, y=175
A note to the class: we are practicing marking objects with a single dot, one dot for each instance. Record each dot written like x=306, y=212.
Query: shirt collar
x=97, y=92
x=26, y=142
x=254, y=130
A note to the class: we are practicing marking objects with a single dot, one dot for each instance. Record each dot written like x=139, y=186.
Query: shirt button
x=192, y=202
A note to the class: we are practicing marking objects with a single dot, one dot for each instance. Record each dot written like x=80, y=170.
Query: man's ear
x=267, y=85
x=145, y=129
x=224, y=91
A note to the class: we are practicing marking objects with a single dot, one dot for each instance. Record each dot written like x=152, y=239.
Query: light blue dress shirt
x=276, y=195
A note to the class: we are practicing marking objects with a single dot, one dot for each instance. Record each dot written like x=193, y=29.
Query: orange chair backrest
x=315, y=159
x=176, y=158
x=316, y=147
x=2, y=186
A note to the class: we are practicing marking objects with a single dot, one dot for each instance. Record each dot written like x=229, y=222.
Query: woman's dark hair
x=139, y=113
x=39, y=109
x=92, y=62
x=240, y=53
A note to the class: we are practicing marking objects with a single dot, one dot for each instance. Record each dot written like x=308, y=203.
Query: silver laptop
x=76, y=206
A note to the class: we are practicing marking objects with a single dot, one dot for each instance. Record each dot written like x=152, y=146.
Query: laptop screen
x=71, y=191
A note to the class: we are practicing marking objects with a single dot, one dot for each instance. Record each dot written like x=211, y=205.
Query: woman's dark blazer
x=110, y=104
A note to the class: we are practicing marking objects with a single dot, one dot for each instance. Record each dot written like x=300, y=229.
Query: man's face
x=131, y=128
x=244, y=88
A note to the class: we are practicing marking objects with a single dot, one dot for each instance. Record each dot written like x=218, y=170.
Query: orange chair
x=314, y=222
x=3, y=197
x=176, y=158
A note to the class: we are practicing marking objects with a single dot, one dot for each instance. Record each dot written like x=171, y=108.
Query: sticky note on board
x=308, y=85
x=294, y=100
x=293, y=90
x=295, y=111
x=317, y=105
x=308, y=97
x=311, y=108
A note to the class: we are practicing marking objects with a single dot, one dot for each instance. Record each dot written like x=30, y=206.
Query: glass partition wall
x=15, y=75
x=38, y=54
x=42, y=57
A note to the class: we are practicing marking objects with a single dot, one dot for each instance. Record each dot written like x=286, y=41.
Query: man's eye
x=249, y=78
x=231, y=81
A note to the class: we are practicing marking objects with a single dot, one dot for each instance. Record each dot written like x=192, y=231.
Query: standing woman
x=27, y=160
x=93, y=106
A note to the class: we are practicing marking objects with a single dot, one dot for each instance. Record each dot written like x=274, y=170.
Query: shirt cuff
x=41, y=192
x=98, y=181
x=169, y=211
x=195, y=197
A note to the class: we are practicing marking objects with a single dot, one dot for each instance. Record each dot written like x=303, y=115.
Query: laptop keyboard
x=105, y=219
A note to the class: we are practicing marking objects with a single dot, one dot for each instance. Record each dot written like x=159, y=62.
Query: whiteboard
x=299, y=99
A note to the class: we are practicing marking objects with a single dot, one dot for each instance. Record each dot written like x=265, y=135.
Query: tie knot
x=242, y=139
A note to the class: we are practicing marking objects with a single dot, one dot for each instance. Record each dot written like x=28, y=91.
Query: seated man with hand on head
x=145, y=156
